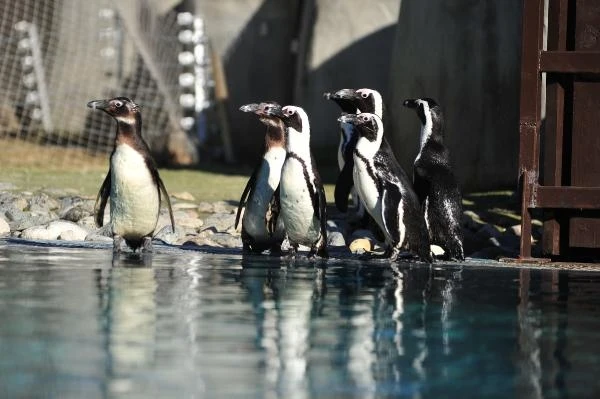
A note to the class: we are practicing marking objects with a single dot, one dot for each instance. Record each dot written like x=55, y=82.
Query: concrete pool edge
x=503, y=263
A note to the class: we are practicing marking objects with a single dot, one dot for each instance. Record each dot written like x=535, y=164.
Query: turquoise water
x=186, y=324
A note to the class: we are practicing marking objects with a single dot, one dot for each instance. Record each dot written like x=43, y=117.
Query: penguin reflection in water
x=385, y=190
x=262, y=228
x=434, y=181
x=303, y=204
x=132, y=183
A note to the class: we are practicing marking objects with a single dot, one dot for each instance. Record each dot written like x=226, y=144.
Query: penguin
x=132, y=182
x=303, y=202
x=386, y=191
x=354, y=102
x=345, y=99
x=434, y=181
x=262, y=228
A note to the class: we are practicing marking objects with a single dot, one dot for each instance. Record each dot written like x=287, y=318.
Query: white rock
x=70, y=235
x=184, y=205
x=58, y=227
x=4, y=227
x=436, y=250
x=184, y=196
x=336, y=239
x=38, y=233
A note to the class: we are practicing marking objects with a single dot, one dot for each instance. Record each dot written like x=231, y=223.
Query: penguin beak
x=275, y=111
x=343, y=94
x=410, y=103
x=98, y=104
x=249, y=108
x=347, y=118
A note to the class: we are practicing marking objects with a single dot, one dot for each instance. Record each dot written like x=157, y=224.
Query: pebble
x=76, y=213
x=4, y=227
x=183, y=196
x=61, y=215
x=360, y=246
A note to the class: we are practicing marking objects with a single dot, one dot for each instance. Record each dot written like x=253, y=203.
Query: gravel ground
x=490, y=222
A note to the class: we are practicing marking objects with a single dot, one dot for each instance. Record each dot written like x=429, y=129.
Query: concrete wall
x=351, y=47
x=253, y=38
x=466, y=55
x=463, y=53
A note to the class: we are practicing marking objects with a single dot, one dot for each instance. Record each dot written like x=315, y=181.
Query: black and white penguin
x=353, y=102
x=303, y=203
x=262, y=228
x=132, y=183
x=385, y=189
x=346, y=100
x=434, y=181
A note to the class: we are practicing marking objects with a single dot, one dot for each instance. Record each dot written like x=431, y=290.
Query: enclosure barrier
x=559, y=158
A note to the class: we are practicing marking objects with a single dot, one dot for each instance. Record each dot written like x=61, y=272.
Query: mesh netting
x=59, y=54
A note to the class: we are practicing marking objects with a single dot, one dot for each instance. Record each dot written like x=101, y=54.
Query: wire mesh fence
x=59, y=54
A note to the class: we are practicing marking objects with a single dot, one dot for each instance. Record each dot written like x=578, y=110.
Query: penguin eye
x=289, y=112
x=364, y=118
x=118, y=104
x=364, y=95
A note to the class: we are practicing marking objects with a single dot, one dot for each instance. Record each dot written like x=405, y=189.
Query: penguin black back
x=434, y=180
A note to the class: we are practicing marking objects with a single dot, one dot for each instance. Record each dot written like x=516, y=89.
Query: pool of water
x=74, y=323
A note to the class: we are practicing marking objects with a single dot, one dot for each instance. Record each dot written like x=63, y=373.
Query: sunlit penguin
x=354, y=102
x=132, y=183
x=386, y=191
x=303, y=203
x=434, y=181
x=262, y=228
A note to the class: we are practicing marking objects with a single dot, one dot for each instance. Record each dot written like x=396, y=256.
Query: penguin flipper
x=249, y=185
x=165, y=194
x=319, y=202
x=390, y=202
x=420, y=183
x=274, y=209
x=102, y=197
x=343, y=185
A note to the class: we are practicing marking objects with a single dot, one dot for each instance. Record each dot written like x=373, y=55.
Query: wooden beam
x=570, y=61
x=566, y=197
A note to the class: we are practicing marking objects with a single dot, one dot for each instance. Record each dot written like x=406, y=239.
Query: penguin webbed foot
x=117, y=240
x=456, y=253
x=293, y=251
x=275, y=250
x=321, y=251
x=146, y=245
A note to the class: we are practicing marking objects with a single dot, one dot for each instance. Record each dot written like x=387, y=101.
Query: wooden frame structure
x=559, y=162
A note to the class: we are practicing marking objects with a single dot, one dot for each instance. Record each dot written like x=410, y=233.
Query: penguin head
x=268, y=112
x=298, y=128
x=370, y=131
x=345, y=99
x=367, y=125
x=120, y=108
x=424, y=107
x=370, y=101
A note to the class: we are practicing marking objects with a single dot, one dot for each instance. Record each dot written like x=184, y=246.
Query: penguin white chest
x=134, y=196
x=296, y=204
x=266, y=183
x=367, y=189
